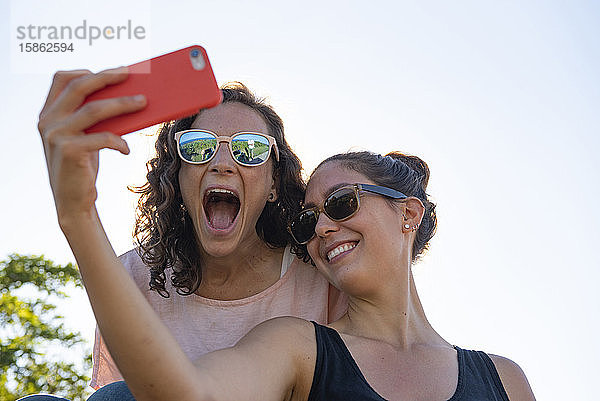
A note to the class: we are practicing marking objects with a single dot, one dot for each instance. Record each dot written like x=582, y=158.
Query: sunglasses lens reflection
x=197, y=146
x=338, y=206
x=247, y=149
x=341, y=204
x=250, y=149
x=303, y=226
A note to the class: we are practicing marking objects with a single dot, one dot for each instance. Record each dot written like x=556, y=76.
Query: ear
x=273, y=191
x=412, y=214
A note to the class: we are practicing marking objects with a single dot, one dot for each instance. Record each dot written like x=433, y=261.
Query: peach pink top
x=202, y=325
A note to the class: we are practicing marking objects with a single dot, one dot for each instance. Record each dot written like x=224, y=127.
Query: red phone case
x=173, y=87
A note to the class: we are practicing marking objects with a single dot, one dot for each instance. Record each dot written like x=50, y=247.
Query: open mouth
x=222, y=207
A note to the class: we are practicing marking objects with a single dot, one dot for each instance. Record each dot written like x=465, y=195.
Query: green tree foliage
x=30, y=325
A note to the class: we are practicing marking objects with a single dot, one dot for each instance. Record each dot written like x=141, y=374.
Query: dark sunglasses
x=249, y=149
x=342, y=204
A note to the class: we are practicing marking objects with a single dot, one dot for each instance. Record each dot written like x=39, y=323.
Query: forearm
x=146, y=353
x=149, y=358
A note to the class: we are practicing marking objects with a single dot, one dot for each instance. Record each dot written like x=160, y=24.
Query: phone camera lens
x=197, y=60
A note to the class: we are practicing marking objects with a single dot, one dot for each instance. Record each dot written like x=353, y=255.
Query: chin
x=219, y=250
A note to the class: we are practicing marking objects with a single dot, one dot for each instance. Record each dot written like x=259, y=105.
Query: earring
x=406, y=226
x=182, y=212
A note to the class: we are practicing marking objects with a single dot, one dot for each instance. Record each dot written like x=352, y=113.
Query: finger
x=79, y=88
x=59, y=82
x=99, y=140
x=99, y=110
x=71, y=88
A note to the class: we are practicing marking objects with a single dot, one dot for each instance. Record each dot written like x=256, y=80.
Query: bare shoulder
x=283, y=332
x=291, y=344
x=274, y=361
x=513, y=379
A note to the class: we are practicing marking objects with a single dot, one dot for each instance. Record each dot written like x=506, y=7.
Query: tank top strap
x=478, y=378
x=337, y=377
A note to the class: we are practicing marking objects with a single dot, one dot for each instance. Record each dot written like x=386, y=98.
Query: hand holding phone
x=175, y=85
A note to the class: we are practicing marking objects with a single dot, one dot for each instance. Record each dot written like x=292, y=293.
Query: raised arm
x=263, y=366
x=147, y=355
x=135, y=336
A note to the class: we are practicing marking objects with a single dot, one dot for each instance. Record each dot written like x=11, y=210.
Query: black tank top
x=338, y=378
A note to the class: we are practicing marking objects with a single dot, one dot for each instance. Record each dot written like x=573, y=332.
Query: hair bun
x=414, y=163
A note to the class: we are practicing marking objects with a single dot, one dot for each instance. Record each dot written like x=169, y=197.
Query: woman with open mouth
x=365, y=220
x=214, y=256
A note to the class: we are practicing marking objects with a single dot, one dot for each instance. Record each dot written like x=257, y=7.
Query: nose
x=222, y=162
x=325, y=226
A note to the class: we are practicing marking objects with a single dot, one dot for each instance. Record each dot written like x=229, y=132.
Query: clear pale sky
x=500, y=98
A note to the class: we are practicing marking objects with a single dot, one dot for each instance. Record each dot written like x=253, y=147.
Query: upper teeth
x=336, y=251
x=221, y=190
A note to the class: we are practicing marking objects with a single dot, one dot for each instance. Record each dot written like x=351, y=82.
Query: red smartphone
x=176, y=85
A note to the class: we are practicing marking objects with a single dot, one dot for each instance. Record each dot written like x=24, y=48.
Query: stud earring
x=406, y=226
x=183, y=212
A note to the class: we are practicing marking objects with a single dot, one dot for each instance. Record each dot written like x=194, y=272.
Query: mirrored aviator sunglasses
x=340, y=205
x=246, y=148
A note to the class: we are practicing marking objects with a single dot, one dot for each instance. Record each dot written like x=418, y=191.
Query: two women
x=365, y=220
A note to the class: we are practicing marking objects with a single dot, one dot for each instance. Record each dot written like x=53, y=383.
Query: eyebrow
x=328, y=192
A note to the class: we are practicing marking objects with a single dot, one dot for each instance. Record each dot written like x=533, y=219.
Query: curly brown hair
x=164, y=232
x=405, y=173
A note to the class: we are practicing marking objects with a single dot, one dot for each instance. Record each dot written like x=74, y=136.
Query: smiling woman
x=384, y=344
